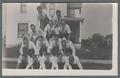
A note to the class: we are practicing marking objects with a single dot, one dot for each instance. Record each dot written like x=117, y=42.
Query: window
x=23, y=8
x=22, y=29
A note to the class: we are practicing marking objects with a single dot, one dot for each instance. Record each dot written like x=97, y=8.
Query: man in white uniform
x=58, y=16
x=34, y=33
x=28, y=51
x=67, y=49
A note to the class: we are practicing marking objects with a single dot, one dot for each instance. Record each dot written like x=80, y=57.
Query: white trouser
x=42, y=66
x=67, y=65
x=54, y=66
x=42, y=63
x=30, y=62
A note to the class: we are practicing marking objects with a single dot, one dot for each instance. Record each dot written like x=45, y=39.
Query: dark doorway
x=75, y=28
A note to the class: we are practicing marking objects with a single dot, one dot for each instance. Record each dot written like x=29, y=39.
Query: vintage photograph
x=58, y=36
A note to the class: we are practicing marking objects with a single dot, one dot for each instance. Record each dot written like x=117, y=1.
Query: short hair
x=71, y=59
x=39, y=7
x=58, y=11
x=32, y=25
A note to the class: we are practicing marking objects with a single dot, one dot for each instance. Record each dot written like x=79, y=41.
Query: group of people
x=49, y=46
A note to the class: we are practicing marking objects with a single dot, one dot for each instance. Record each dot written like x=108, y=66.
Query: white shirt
x=65, y=29
x=55, y=18
x=57, y=30
x=42, y=60
x=53, y=60
x=48, y=29
x=38, y=32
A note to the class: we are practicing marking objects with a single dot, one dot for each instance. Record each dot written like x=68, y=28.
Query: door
x=75, y=28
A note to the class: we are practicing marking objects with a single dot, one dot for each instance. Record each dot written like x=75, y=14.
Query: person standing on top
x=58, y=16
x=43, y=17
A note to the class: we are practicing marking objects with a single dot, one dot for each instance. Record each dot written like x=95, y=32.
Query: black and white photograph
x=59, y=39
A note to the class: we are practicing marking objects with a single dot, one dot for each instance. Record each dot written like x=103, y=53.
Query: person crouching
x=28, y=51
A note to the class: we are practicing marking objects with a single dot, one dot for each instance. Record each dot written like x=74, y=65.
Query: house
x=84, y=19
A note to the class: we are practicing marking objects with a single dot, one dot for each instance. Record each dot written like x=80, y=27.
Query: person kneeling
x=28, y=51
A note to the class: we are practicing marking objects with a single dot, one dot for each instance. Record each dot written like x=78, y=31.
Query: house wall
x=13, y=17
x=98, y=19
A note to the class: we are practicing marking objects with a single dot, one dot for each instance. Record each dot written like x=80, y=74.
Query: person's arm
x=68, y=31
x=72, y=47
x=47, y=43
x=45, y=30
x=21, y=49
x=20, y=57
x=78, y=62
x=38, y=45
x=35, y=48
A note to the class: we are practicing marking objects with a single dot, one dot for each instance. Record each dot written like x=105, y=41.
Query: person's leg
x=30, y=62
x=19, y=62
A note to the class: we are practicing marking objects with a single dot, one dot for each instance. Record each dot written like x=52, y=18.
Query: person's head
x=25, y=41
x=71, y=59
x=64, y=41
x=39, y=9
x=32, y=26
x=58, y=13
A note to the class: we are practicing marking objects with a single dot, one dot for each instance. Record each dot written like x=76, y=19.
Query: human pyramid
x=49, y=46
